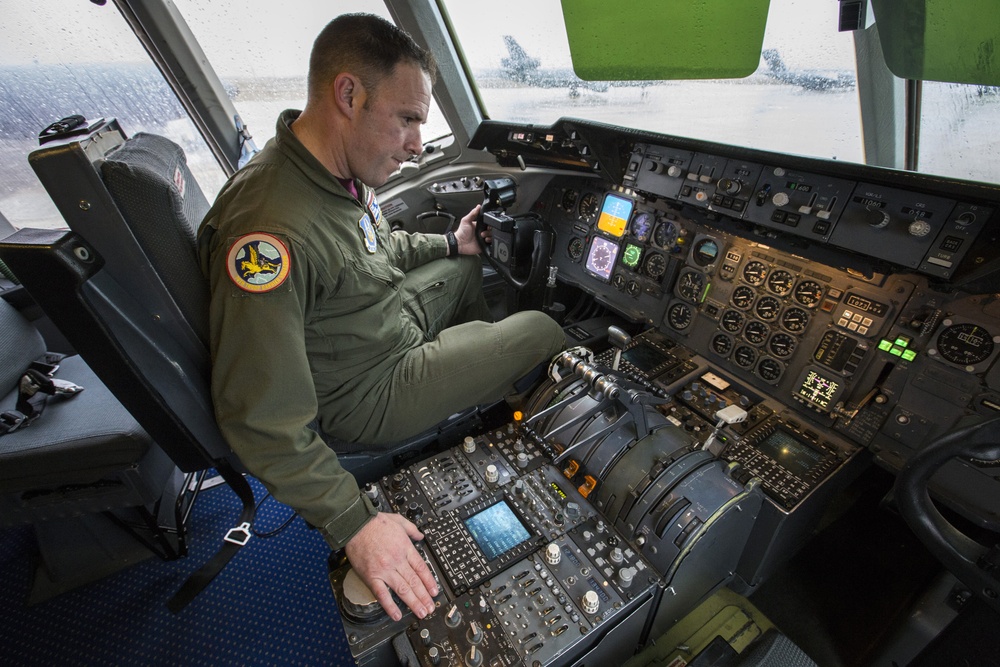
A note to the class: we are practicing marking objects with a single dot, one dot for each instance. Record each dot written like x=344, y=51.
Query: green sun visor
x=941, y=40
x=648, y=40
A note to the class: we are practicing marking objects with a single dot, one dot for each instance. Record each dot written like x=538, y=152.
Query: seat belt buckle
x=65, y=387
x=239, y=535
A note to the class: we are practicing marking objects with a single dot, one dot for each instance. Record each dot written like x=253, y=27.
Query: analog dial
x=767, y=308
x=732, y=320
x=679, y=316
x=569, y=199
x=756, y=332
x=808, y=293
x=743, y=297
x=781, y=345
x=745, y=356
x=691, y=285
x=795, y=319
x=588, y=206
x=705, y=252
x=665, y=234
x=770, y=369
x=642, y=225
x=575, y=248
x=618, y=281
x=780, y=282
x=965, y=344
x=722, y=344
x=655, y=265
x=755, y=272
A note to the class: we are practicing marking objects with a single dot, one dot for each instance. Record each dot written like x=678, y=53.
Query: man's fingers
x=384, y=596
x=425, y=574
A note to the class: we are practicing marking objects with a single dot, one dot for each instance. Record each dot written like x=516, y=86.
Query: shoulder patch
x=258, y=262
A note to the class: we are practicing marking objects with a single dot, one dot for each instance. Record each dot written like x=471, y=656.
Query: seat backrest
x=127, y=292
x=22, y=344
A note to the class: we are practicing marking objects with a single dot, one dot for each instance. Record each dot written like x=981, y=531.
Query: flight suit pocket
x=426, y=307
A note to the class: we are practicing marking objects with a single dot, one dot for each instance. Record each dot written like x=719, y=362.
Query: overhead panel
x=648, y=40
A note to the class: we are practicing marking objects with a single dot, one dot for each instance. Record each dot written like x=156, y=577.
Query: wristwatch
x=452, y=245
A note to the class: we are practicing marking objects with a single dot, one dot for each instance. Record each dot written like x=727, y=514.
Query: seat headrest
x=162, y=203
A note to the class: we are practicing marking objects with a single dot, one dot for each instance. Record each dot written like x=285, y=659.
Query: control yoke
x=521, y=245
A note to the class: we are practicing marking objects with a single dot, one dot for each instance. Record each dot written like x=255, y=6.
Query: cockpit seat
x=81, y=470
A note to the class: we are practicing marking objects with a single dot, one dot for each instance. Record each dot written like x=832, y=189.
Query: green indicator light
x=903, y=341
x=630, y=257
x=909, y=355
x=704, y=293
x=898, y=351
x=884, y=345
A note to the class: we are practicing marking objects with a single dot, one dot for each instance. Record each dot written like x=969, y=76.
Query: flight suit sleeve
x=411, y=250
x=263, y=389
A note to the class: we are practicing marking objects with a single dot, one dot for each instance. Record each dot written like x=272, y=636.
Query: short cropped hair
x=367, y=46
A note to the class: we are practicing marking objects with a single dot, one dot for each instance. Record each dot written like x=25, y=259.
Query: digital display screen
x=614, y=215
x=643, y=357
x=601, y=258
x=496, y=530
x=794, y=456
x=631, y=255
x=819, y=390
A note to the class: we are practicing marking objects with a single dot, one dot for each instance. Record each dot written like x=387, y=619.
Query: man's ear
x=348, y=93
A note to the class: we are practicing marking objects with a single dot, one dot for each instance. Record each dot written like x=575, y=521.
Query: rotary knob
x=522, y=460
x=625, y=576
x=553, y=554
x=876, y=217
x=468, y=445
x=492, y=474
x=454, y=617
x=616, y=555
x=591, y=603
x=425, y=637
x=780, y=199
x=729, y=186
x=919, y=228
x=434, y=654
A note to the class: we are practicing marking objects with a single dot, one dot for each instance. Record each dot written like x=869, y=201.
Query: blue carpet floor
x=272, y=605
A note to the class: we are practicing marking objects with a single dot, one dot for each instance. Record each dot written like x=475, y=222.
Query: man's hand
x=466, y=233
x=383, y=555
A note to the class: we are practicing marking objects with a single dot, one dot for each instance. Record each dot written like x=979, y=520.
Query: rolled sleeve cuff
x=345, y=525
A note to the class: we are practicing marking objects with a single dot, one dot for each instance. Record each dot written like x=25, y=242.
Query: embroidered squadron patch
x=375, y=209
x=371, y=239
x=258, y=262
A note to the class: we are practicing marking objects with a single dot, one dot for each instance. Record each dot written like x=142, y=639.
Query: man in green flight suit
x=319, y=310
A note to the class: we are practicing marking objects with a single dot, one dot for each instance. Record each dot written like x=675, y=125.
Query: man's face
x=386, y=129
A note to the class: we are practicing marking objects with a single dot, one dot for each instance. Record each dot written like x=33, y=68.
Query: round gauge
x=795, y=319
x=769, y=369
x=618, y=281
x=642, y=225
x=743, y=297
x=665, y=234
x=588, y=206
x=732, y=320
x=690, y=285
x=755, y=272
x=780, y=282
x=808, y=293
x=745, y=356
x=781, y=345
x=633, y=288
x=679, y=316
x=655, y=265
x=756, y=332
x=767, y=308
x=705, y=252
x=569, y=199
x=965, y=344
x=722, y=344
x=575, y=248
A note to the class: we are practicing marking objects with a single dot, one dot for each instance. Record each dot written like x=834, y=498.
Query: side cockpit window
x=82, y=59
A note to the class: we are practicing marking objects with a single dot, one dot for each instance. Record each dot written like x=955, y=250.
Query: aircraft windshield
x=802, y=99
